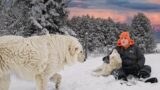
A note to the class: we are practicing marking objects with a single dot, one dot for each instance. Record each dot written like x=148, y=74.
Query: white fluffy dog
x=37, y=58
x=105, y=69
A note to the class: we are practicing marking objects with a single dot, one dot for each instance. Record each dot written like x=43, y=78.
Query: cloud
x=153, y=1
x=98, y=13
x=143, y=5
x=125, y=16
x=78, y=4
x=88, y=3
x=154, y=17
x=119, y=10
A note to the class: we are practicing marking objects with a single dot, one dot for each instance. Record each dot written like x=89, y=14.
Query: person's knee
x=145, y=72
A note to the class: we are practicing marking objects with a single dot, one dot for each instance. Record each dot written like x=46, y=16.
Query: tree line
x=36, y=17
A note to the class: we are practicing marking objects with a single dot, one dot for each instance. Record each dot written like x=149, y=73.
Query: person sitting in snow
x=133, y=60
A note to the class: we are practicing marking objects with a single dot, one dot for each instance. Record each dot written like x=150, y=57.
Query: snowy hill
x=78, y=77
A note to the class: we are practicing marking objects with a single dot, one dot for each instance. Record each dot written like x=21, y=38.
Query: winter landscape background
x=99, y=28
x=97, y=24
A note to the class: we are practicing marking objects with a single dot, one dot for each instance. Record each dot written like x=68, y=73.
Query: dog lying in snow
x=115, y=62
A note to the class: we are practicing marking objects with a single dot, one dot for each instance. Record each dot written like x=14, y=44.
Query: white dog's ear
x=114, y=51
x=73, y=49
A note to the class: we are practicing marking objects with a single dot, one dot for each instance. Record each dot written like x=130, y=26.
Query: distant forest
x=36, y=17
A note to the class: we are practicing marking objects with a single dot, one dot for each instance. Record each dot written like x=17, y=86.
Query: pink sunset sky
x=118, y=10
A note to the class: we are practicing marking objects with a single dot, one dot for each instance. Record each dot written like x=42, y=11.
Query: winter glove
x=152, y=80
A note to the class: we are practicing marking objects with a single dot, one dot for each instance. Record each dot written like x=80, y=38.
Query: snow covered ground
x=78, y=77
x=158, y=46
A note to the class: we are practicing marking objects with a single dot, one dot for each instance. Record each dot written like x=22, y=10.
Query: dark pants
x=144, y=72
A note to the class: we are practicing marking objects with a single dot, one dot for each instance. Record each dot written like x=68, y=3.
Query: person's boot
x=152, y=80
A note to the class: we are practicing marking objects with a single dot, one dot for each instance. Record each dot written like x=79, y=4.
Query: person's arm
x=140, y=60
x=140, y=57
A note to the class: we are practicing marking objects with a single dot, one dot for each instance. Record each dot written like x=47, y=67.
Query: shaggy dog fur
x=105, y=69
x=37, y=58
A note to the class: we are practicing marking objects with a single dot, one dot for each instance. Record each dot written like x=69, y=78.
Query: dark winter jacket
x=132, y=57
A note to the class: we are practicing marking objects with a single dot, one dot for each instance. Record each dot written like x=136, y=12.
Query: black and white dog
x=115, y=62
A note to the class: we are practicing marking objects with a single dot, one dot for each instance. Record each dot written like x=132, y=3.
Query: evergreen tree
x=28, y=17
x=143, y=32
x=101, y=32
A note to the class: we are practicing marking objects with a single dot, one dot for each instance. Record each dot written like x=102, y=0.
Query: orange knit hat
x=127, y=36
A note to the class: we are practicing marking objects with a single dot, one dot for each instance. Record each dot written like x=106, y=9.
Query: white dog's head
x=76, y=51
x=115, y=56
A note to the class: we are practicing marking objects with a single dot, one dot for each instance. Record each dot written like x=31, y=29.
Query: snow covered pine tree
x=28, y=17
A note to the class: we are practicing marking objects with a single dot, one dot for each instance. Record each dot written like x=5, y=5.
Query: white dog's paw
x=97, y=70
x=95, y=74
